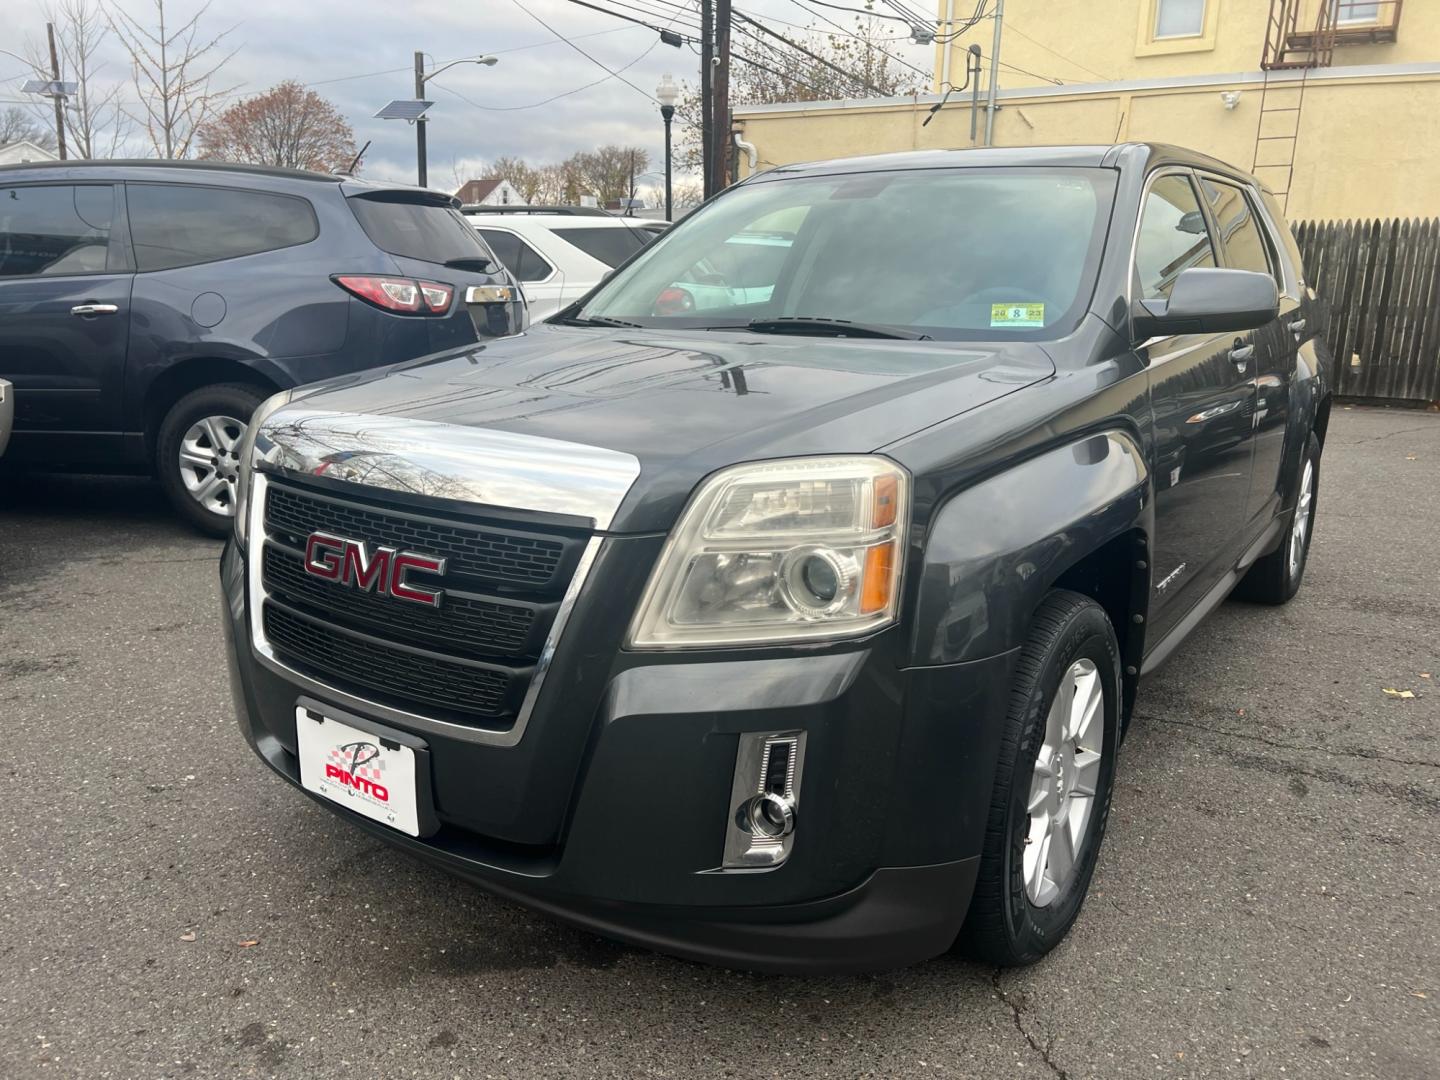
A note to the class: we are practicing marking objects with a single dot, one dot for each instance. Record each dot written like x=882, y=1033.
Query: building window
x=1355, y=12
x=1181, y=18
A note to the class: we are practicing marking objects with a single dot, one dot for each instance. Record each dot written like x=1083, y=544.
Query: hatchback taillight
x=404, y=295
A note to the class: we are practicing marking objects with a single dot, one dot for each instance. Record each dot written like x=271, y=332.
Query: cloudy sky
x=359, y=53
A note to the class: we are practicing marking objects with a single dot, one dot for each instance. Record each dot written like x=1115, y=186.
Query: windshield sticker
x=1017, y=315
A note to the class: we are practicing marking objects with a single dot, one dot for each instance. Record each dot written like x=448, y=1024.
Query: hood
x=683, y=404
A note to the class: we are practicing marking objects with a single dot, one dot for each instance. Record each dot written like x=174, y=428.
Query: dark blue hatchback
x=146, y=308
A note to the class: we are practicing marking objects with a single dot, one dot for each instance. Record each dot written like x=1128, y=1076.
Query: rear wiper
x=804, y=324
x=598, y=320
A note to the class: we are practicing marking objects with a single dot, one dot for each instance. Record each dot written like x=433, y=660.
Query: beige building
x=1335, y=103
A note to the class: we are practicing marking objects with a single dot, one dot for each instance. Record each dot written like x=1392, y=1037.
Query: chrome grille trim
x=254, y=567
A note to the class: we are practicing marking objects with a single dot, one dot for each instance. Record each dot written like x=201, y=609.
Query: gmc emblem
x=335, y=558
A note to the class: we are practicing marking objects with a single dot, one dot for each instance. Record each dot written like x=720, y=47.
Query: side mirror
x=1205, y=300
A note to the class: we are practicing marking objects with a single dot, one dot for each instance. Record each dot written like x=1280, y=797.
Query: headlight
x=779, y=551
x=248, y=459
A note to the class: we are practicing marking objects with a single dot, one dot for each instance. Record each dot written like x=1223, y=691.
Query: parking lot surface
x=1265, y=904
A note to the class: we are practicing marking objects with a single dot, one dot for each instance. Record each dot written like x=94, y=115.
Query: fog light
x=764, y=799
x=771, y=815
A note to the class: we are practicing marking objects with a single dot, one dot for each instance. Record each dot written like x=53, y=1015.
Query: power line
x=553, y=97
x=603, y=67
x=861, y=80
x=868, y=43
x=863, y=11
x=493, y=52
x=1010, y=27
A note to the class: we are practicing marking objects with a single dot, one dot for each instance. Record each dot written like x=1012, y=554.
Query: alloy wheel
x=1062, y=788
x=1300, y=528
x=210, y=462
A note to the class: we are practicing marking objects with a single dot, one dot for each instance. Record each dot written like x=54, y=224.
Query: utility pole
x=707, y=24
x=420, y=169
x=58, y=97
x=720, y=98
x=994, y=75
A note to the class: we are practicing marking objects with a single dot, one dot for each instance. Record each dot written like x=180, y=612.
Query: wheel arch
x=1077, y=516
x=180, y=379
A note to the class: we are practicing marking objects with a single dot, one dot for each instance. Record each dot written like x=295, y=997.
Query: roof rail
x=190, y=165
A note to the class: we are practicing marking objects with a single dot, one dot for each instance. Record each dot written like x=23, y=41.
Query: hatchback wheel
x=197, y=453
x=1052, y=785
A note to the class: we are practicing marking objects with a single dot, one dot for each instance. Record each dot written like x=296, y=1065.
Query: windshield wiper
x=804, y=324
x=598, y=320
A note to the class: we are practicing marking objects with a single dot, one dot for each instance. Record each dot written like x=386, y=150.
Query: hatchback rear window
x=610, y=246
x=416, y=230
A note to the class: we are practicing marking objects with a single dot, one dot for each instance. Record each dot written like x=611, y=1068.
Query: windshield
x=943, y=253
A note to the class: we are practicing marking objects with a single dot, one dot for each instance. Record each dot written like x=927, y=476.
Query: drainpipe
x=752, y=155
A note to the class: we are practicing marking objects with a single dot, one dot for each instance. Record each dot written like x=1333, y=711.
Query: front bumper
x=899, y=772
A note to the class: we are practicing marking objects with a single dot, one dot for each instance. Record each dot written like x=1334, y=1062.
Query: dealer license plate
x=358, y=770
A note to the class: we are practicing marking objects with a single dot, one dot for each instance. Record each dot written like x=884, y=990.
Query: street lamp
x=667, y=94
x=421, y=78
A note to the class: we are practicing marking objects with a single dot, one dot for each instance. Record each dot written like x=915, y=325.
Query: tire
x=206, y=425
x=1021, y=909
x=1275, y=578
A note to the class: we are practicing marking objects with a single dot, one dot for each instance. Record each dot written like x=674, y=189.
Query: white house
x=493, y=192
x=17, y=153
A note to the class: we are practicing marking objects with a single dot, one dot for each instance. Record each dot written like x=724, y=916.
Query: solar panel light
x=49, y=87
x=405, y=109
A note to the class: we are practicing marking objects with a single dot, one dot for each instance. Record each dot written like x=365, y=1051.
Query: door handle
x=1241, y=355
x=1297, y=326
x=87, y=310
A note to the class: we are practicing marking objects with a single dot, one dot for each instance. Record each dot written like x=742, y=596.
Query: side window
x=523, y=261
x=1172, y=237
x=49, y=230
x=179, y=225
x=1240, y=234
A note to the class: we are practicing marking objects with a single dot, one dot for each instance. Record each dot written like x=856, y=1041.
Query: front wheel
x=1052, y=785
x=197, y=453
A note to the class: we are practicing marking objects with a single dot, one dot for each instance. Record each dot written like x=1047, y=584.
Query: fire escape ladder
x=1278, y=132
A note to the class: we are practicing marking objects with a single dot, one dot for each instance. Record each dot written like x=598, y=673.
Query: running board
x=1211, y=600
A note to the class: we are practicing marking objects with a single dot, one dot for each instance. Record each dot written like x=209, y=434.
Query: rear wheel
x=1276, y=578
x=1052, y=785
x=197, y=453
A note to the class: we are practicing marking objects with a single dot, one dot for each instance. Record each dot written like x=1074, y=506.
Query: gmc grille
x=469, y=661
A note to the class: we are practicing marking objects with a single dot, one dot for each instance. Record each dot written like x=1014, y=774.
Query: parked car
x=558, y=253
x=799, y=632
x=146, y=308
x=7, y=414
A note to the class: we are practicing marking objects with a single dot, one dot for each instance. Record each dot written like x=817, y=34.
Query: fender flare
x=993, y=550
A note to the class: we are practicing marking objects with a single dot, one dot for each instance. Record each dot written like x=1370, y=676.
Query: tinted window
x=50, y=230
x=610, y=246
x=417, y=230
x=951, y=253
x=1239, y=231
x=1172, y=238
x=180, y=225
x=523, y=261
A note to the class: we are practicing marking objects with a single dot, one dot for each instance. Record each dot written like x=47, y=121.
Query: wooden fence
x=1381, y=280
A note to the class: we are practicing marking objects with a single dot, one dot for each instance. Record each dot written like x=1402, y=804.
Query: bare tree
x=16, y=125
x=95, y=121
x=608, y=172
x=287, y=125
x=525, y=178
x=172, y=67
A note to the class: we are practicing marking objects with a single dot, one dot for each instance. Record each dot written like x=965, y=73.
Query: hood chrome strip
x=449, y=461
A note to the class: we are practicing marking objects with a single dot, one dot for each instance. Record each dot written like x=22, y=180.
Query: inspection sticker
x=1017, y=315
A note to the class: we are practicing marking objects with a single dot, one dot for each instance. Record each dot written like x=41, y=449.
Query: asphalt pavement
x=1265, y=904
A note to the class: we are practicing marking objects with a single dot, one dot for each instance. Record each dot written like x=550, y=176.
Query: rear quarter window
x=609, y=246
x=182, y=225
x=425, y=231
